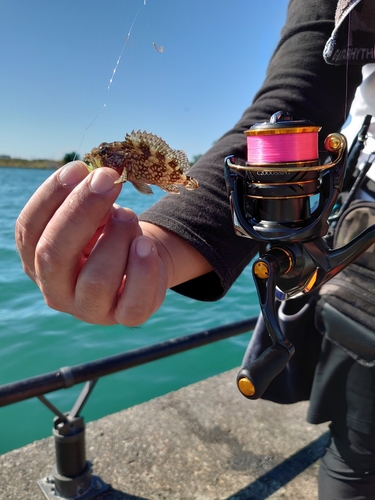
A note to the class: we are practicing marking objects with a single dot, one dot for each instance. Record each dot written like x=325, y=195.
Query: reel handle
x=254, y=378
x=312, y=264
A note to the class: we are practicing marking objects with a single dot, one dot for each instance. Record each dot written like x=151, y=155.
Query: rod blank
x=69, y=376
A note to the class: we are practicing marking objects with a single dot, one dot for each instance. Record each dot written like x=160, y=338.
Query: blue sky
x=58, y=56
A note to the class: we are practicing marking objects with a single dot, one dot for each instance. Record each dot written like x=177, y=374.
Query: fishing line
x=347, y=68
x=298, y=145
x=112, y=77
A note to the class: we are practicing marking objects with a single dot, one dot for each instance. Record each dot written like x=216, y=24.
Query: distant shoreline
x=21, y=163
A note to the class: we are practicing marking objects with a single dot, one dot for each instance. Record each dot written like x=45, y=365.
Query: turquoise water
x=35, y=339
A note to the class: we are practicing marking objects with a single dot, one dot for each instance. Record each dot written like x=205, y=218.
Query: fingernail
x=143, y=247
x=101, y=181
x=72, y=174
x=123, y=214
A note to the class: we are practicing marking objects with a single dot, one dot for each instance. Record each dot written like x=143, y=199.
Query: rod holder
x=71, y=476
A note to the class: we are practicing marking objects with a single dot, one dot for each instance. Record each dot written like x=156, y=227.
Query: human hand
x=88, y=256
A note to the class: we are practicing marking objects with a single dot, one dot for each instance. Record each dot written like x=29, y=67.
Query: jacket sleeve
x=298, y=81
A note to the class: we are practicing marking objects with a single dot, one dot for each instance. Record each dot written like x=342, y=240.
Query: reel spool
x=272, y=190
x=270, y=197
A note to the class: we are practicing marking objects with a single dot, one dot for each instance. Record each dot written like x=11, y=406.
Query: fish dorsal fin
x=153, y=142
x=182, y=159
x=158, y=146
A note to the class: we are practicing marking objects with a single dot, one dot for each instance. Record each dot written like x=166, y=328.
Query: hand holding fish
x=93, y=259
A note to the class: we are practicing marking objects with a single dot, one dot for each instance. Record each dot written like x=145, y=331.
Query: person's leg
x=347, y=470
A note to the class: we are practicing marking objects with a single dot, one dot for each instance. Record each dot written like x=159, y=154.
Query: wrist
x=181, y=261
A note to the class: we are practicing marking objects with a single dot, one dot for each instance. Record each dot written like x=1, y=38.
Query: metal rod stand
x=71, y=476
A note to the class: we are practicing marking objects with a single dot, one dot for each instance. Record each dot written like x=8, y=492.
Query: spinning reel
x=271, y=199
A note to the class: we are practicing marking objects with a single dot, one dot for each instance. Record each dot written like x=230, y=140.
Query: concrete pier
x=203, y=442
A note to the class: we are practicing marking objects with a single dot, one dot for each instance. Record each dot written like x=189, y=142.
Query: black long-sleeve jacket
x=299, y=81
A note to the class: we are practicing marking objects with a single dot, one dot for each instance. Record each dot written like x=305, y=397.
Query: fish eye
x=103, y=148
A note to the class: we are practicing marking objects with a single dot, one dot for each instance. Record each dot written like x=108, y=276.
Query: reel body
x=271, y=202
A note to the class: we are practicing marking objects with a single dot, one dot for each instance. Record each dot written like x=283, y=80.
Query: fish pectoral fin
x=123, y=177
x=142, y=187
x=170, y=188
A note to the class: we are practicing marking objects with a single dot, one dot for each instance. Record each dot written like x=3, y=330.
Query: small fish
x=144, y=159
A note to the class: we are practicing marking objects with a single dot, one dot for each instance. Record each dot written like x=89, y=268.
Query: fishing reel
x=282, y=197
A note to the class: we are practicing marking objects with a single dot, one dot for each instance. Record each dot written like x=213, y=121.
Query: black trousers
x=347, y=470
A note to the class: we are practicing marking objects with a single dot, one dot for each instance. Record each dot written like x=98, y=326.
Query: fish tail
x=191, y=183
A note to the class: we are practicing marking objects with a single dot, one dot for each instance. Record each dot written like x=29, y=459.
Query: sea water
x=35, y=339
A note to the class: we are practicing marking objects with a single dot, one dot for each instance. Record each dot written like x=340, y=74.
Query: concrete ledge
x=203, y=442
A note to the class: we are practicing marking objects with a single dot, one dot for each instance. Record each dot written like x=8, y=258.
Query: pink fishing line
x=282, y=147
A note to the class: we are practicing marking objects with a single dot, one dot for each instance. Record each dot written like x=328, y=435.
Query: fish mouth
x=90, y=162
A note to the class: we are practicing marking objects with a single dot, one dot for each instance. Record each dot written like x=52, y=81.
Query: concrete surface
x=203, y=442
